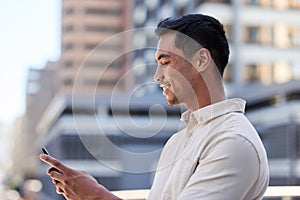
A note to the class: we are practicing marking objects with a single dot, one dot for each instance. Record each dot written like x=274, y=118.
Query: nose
x=158, y=74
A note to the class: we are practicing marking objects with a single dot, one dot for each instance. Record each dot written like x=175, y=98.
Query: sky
x=29, y=37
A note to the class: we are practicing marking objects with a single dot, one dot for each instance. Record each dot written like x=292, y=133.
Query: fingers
x=57, y=180
x=56, y=177
x=62, y=189
x=53, y=162
x=52, y=169
x=55, y=172
x=59, y=187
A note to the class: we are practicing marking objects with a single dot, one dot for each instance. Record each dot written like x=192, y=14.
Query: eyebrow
x=162, y=56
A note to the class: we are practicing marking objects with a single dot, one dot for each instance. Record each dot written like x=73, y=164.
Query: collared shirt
x=219, y=155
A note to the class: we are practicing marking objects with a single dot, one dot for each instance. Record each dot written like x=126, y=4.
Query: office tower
x=263, y=34
x=91, y=54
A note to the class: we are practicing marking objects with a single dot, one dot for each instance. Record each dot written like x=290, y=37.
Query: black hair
x=207, y=31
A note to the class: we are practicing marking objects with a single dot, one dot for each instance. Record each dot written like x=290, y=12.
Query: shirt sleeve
x=228, y=171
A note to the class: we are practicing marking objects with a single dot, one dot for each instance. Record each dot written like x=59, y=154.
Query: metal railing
x=283, y=192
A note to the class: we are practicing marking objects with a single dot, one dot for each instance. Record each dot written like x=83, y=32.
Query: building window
x=252, y=2
x=68, y=28
x=69, y=11
x=251, y=35
x=282, y=72
x=101, y=29
x=74, y=149
x=181, y=11
x=68, y=64
x=68, y=46
x=281, y=37
x=294, y=35
x=102, y=11
x=101, y=82
x=266, y=35
x=109, y=82
x=68, y=82
x=96, y=64
x=90, y=46
x=114, y=47
x=212, y=1
x=250, y=73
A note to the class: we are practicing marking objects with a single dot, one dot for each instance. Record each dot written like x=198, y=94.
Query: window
x=102, y=11
x=68, y=46
x=181, y=11
x=294, y=35
x=252, y=34
x=92, y=63
x=250, y=73
x=68, y=81
x=68, y=28
x=109, y=82
x=69, y=11
x=252, y=2
x=214, y=1
x=95, y=28
x=90, y=46
x=68, y=64
x=74, y=149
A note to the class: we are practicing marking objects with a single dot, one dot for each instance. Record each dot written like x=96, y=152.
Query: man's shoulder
x=176, y=136
x=174, y=139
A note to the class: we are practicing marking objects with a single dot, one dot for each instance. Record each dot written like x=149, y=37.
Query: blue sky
x=29, y=37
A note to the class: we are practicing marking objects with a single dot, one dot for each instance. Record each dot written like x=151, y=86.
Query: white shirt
x=219, y=155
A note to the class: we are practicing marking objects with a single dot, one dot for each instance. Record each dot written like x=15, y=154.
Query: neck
x=211, y=91
x=206, y=98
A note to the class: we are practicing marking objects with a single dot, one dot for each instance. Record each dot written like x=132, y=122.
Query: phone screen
x=44, y=150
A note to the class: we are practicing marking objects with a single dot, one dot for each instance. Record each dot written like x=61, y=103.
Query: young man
x=219, y=155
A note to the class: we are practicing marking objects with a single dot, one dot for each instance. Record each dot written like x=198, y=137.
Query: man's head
x=197, y=31
x=192, y=53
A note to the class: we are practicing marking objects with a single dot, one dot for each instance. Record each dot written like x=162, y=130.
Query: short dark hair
x=207, y=31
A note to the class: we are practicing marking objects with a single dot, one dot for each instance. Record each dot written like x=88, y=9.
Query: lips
x=165, y=87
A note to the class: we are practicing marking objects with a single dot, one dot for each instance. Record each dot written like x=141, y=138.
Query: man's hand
x=73, y=184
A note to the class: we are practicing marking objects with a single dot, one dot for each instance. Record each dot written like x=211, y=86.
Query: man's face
x=175, y=73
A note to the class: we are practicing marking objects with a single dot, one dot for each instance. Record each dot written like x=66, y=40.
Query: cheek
x=181, y=79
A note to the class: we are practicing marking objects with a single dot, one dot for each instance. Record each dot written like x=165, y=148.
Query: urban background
x=79, y=106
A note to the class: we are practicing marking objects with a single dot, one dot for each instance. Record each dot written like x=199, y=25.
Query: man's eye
x=165, y=63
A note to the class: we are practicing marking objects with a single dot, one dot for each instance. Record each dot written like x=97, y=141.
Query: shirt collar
x=215, y=110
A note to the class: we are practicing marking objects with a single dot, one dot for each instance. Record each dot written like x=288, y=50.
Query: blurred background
x=69, y=81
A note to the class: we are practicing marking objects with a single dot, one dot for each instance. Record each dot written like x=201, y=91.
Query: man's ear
x=202, y=59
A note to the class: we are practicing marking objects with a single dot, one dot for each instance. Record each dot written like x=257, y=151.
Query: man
x=219, y=155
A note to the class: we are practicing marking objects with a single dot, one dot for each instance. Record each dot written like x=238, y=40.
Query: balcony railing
x=283, y=192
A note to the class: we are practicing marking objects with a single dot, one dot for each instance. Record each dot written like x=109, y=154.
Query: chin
x=172, y=102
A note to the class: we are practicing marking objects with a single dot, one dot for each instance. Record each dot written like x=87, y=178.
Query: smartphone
x=44, y=150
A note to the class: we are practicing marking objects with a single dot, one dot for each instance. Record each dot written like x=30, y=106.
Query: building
x=266, y=34
x=40, y=91
x=92, y=57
